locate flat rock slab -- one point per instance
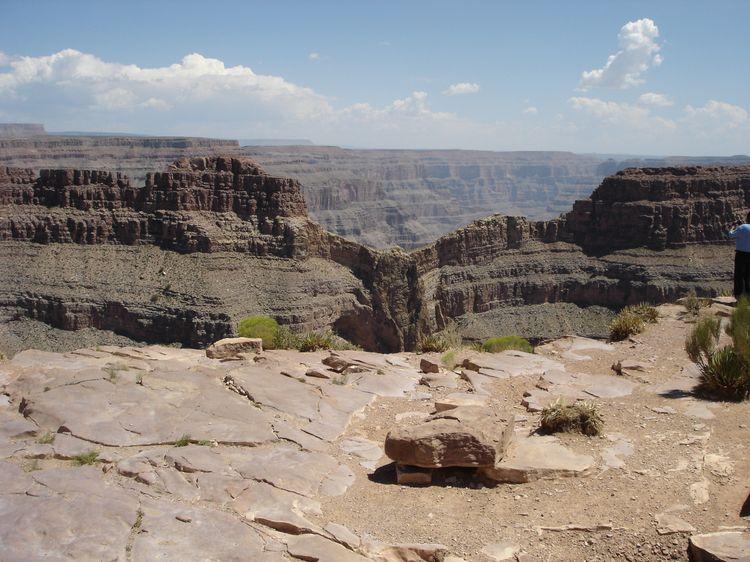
(456, 399)
(501, 551)
(467, 436)
(510, 364)
(368, 452)
(537, 458)
(727, 546)
(574, 348)
(66, 514)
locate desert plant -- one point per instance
(624, 325)
(433, 342)
(725, 372)
(46, 439)
(263, 327)
(702, 340)
(183, 441)
(726, 375)
(315, 341)
(503, 343)
(692, 303)
(86, 458)
(647, 312)
(285, 338)
(580, 417)
(449, 358)
(340, 380)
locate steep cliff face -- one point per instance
(213, 239)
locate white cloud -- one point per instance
(314, 56)
(639, 50)
(4, 59)
(196, 79)
(654, 99)
(717, 113)
(621, 114)
(461, 88)
(530, 110)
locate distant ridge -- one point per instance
(21, 130)
(275, 142)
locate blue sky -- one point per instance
(411, 74)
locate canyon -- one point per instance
(379, 198)
(213, 239)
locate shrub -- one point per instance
(315, 341)
(46, 439)
(725, 376)
(503, 343)
(449, 359)
(631, 320)
(725, 372)
(692, 303)
(183, 441)
(702, 340)
(86, 458)
(580, 417)
(433, 342)
(625, 324)
(263, 327)
(647, 312)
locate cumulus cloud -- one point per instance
(639, 50)
(620, 113)
(314, 56)
(196, 79)
(461, 88)
(530, 110)
(654, 99)
(4, 59)
(717, 113)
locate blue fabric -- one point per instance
(741, 236)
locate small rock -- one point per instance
(231, 347)
(428, 366)
(497, 552)
(720, 547)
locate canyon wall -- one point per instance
(213, 239)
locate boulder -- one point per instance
(466, 436)
(728, 546)
(428, 366)
(232, 347)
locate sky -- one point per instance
(609, 76)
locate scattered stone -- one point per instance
(317, 374)
(440, 380)
(315, 547)
(668, 523)
(664, 410)
(343, 535)
(467, 436)
(368, 451)
(428, 366)
(699, 491)
(720, 547)
(622, 447)
(232, 347)
(718, 465)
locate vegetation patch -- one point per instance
(439, 342)
(503, 343)
(581, 417)
(631, 321)
(46, 439)
(263, 327)
(692, 303)
(448, 359)
(86, 458)
(724, 372)
(183, 441)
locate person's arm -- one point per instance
(733, 233)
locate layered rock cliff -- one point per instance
(213, 239)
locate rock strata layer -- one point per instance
(213, 239)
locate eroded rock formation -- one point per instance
(213, 239)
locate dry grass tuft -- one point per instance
(582, 417)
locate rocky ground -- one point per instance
(125, 453)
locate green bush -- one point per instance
(631, 320)
(503, 343)
(315, 341)
(263, 327)
(702, 340)
(692, 303)
(725, 376)
(433, 342)
(449, 359)
(725, 372)
(580, 417)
